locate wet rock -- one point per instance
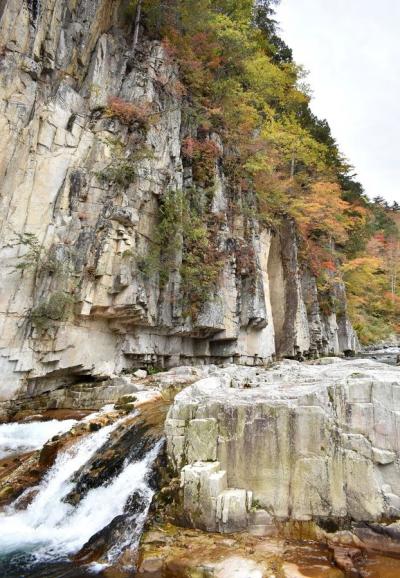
(347, 559)
(237, 567)
(6, 492)
(261, 523)
(99, 543)
(131, 441)
(156, 537)
(379, 537)
(126, 403)
(49, 453)
(151, 565)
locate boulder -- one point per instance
(304, 442)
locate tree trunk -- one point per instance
(137, 24)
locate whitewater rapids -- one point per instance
(18, 438)
(50, 528)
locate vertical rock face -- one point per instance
(80, 191)
(296, 442)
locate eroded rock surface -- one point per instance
(87, 187)
(91, 395)
(297, 442)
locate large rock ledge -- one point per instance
(304, 442)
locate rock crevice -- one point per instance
(304, 442)
(92, 137)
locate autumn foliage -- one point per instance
(373, 287)
(203, 155)
(241, 83)
(129, 112)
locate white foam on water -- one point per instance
(51, 528)
(18, 438)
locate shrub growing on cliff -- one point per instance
(242, 83)
(122, 169)
(182, 231)
(203, 155)
(31, 258)
(120, 172)
(56, 308)
(34, 258)
(129, 113)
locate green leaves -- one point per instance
(278, 157)
(31, 257)
(56, 308)
(185, 244)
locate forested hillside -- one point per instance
(371, 272)
(239, 80)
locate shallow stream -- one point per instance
(90, 507)
(41, 529)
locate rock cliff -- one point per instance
(81, 188)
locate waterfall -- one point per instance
(17, 438)
(51, 529)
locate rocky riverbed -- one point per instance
(385, 353)
(286, 471)
(305, 442)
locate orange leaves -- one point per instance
(195, 149)
(128, 112)
(203, 154)
(321, 260)
(198, 56)
(322, 211)
(208, 49)
(366, 264)
(329, 265)
(392, 297)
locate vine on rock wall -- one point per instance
(43, 263)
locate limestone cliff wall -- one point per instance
(60, 62)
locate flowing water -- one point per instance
(78, 524)
(387, 354)
(50, 529)
(18, 438)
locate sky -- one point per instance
(351, 49)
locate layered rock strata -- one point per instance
(80, 193)
(301, 442)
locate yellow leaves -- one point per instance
(241, 118)
(365, 265)
(322, 210)
(372, 308)
(265, 78)
(295, 143)
(274, 147)
(234, 36)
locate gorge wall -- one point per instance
(80, 204)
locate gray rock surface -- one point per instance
(60, 64)
(315, 441)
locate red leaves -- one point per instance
(196, 149)
(203, 154)
(129, 112)
(329, 265)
